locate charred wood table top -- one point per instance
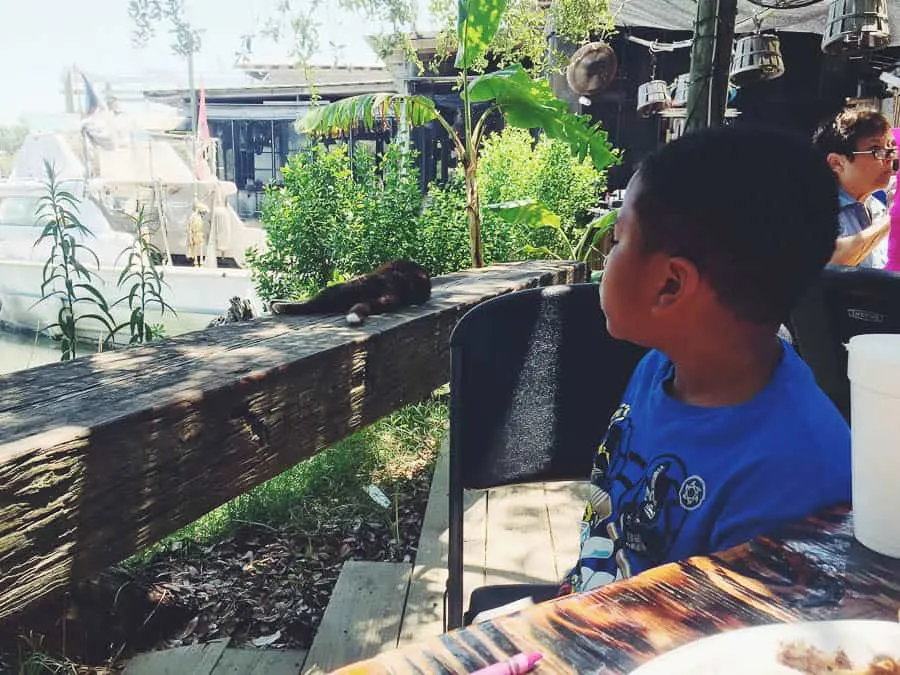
(810, 570)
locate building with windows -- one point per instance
(253, 118)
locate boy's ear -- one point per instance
(680, 283)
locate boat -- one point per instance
(117, 171)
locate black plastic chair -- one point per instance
(534, 379)
(844, 302)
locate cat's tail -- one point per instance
(294, 307)
(356, 315)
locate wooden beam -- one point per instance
(105, 455)
(710, 63)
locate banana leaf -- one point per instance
(527, 212)
(366, 110)
(476, 24)
(531, 104)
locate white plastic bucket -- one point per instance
(874, 371)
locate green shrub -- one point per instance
(443, 230)
(336, 218)
(514, 166)
(385, 226)
(306, 221)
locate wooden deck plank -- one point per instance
(259, 662)
(105, 455)
(363, 615)
(565, 507)
(518, 547)
(423, 615)
(199, 659)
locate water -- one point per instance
(19, 351)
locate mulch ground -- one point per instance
(262, 585)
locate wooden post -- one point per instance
(710, 63)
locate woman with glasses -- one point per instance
(859, 147)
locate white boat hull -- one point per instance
(198, 295)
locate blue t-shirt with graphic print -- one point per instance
(672, 480)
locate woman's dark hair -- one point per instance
(755, 210)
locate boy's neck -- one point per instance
(722, 370)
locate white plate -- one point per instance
(755, 650)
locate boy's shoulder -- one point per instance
(792, 403)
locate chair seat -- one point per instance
(491, 597)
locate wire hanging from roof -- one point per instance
(657, 46)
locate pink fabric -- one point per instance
(893, 257)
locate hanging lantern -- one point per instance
(856, 25)
(756, 58)
(652, 97)
(681, 85)
(591, 68)
(680, 90)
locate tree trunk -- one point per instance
(473, 212)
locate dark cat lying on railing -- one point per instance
(394, 285)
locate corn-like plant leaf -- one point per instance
(105, 320)
(80, 269)
(367, 111)
(97, 295)
(82, 247)
(531, 104)
(476, 24)
(528, 212)
(126, 273)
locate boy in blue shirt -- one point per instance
(722, 433)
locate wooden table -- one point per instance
(812, 569)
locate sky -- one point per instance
(40, 39)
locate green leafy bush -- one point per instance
(336, 217)
(386, 225)
(305, 222)
(516, 167)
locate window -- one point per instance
(223, 132)
(19, 211)
(255, 155)
(287, 142)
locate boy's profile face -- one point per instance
(628, 289)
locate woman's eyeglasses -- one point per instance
(878, 153)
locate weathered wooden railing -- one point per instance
(105, 455)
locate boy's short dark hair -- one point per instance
(756, 210)
(841, 134)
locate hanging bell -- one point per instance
(756, 58)
(856, 25)
(652, 97)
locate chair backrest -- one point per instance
(844, 302)
(534, 379)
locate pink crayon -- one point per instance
(893, 257)
(517, 665)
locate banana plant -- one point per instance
(582, 247)
(523, 102)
